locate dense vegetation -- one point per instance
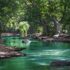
(38, 16)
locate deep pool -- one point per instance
(39, 56)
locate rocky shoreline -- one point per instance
(54, 39)
(7, 52)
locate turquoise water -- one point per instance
(15, 41)
(39, 56)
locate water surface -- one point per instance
(39, 56)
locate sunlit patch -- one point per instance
(61, 58)
(33, 59)
(41, 56)
(52, 52)
(42, 63)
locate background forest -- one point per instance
(47, 17)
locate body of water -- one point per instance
(39, 57)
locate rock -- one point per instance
(4, 48)
(7, 52)
(60, 63)
(56, 36)
(7, 34)
(1, 41)
(10, 34)
(19, 49)
(10, 54)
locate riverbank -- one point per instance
(7, 52)
(54, 39)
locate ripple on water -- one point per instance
(42, 63)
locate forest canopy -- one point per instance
(45, 16)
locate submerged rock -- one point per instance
(60, 63)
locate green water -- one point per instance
(15, 41)
(39, 56)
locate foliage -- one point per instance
(44, 12)
(37, 13)
(23, 28)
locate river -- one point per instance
(39, 56)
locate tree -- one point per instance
(23, 28)
(10, 13)
(44, 12)
(52, 15)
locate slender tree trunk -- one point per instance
(46, 29)
(45, 26)
(57, 26)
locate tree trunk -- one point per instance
(57, 26)
(46, 29)
(45, 26)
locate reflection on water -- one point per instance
(16, 41)
(39, 56)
